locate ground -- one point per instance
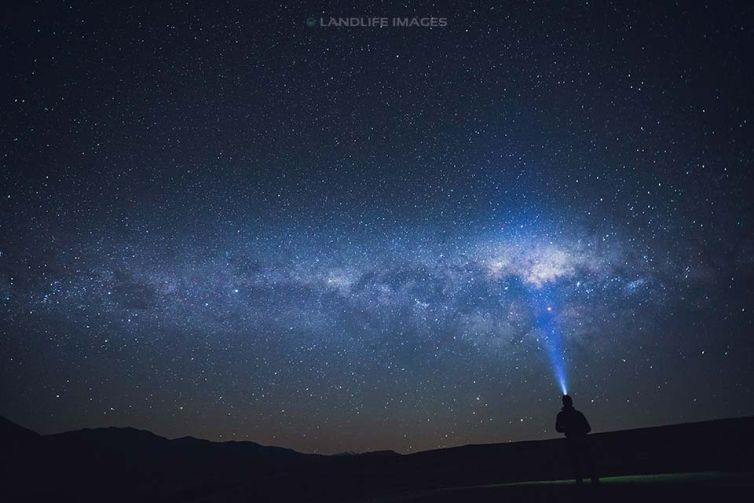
(702, 486)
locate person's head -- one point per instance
(567, 401)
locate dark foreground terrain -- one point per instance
(710, 486)
(709, 461)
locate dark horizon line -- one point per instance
(351, 453)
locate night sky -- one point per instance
(219, 221)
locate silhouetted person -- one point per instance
(574, 425)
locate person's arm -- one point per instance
(559, 423)
(587, 426)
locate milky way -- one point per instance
(234, 225)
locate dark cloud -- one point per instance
(131, 293)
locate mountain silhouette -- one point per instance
(127, 464)
(11, 433)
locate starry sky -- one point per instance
(219, 221)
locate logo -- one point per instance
(377, 22)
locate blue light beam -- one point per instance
(545, 316)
